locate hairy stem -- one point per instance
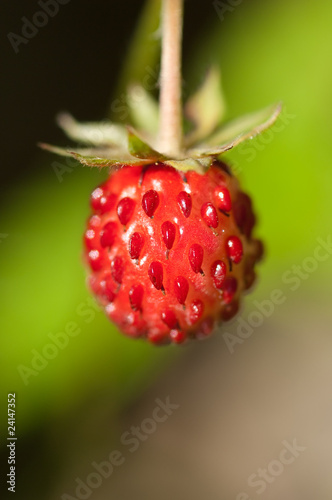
(170, 126)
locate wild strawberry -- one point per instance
(169, 243)
(174, 259)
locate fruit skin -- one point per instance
(160, 257)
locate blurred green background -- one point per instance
(83, 399)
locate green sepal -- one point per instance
(98, 152)
(206, 108)
(92, 161)
(94, 133)
(187, 164)
(237, 131)
(54, 149)
(138, 148)
(94, 157)
(144, 110)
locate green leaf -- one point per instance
(144, 110)
(141, 149)
(94, 133)
(237, 131)
(206, 108)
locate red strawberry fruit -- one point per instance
(170, 254)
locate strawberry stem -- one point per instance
(170, 126)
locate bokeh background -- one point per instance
(235, 409)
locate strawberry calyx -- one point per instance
(107, 144)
